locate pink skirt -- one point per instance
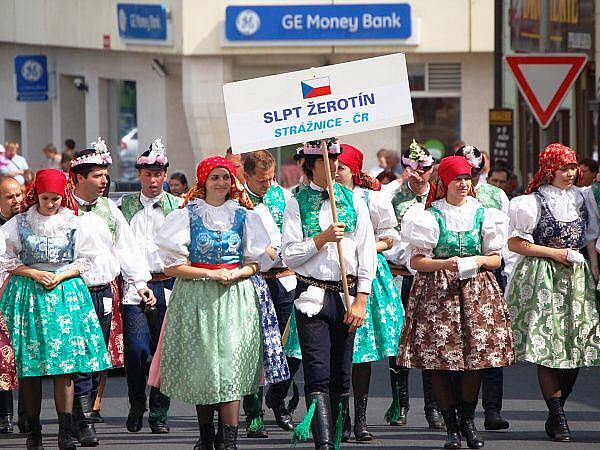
(154, 374)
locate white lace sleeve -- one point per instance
(494, 231)
(174, 238)
(10, 258)
(421, 231)
(256, 241)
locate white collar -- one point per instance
(315, 187)
(83, 202)
(426, 191)
(150, 201)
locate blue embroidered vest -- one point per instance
(550, 232)
(45, 250)
(216, 247)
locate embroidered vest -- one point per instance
(402, 201)
(489, 196)
(216, 247)
(458, 243)
(102, 209)
(132, 204)
(43, 249)
(550, 232)
(595, 187)
(310, 200)
(274, 200)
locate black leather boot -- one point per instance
(361, 430)
(86, 432)
(207, 437)
(6, 412)
(491, 399)
(159, 409)
(135, 418)
(6, 425)
(467, 425)
(34, 435)
(453, 440)
(336, 400)
(432, 413)
(276, 402)
(557, 427)
(322, 423)
(65, 424)
(397, 413)
(230, 437)
(95, 416)
(255, 426)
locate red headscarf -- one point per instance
(551, 159)
(449, 169)
(46, 180)
(353, 158)
(206, 166)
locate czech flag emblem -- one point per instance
(315, 87)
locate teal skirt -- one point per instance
(53, 332)
(379, 336)
(212, 349)
(555, 314)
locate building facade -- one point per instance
(134, 71)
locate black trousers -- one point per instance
(138, 337)
(326, 345)
(86, 383)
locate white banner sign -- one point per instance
(318, 103)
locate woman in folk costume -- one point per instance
(456, 318)
(8, 371)
(551, 293)
(47, 307)
(211, 353)
(379, 336)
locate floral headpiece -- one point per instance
(100, 156)
(314, 147)
(474, 161)
(156, 157)
(417, 157)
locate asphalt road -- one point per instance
(523, 407)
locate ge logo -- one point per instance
(32, 70)
(247, 22)
(122, 21)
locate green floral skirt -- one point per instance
(212, 346)
(53, 332)
(379, 336)
(555, 314)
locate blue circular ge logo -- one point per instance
(247, 22)
(32, 70)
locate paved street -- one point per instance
(522, 407)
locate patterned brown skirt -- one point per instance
(8, 371)
(453, 324)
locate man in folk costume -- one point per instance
(418, 167)
(269, 201)
(146, 211)
(119, 254)
(325, 328)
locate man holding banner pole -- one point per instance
(333, 286)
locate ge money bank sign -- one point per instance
(319, 24)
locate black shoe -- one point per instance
(158, 426)
(230, 437)
(255, 426)
(434, 419)
(207, 437)
(34, 435)
(361, 430)
(467, 425)
(22, 424)
(95, 417)
(322, 423)
(65, 424)
(397, 413)
(283, 418)
(85, 432)
(453, 440)
(6, 425)
(494, 421)
(556, 426)
(343, 400)
(134, 421)
(402, 417)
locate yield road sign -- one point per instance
(544, 80)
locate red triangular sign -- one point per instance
(544, 80)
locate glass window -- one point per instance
(416, 77)
(437, 123)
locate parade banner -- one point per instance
(318, 103)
